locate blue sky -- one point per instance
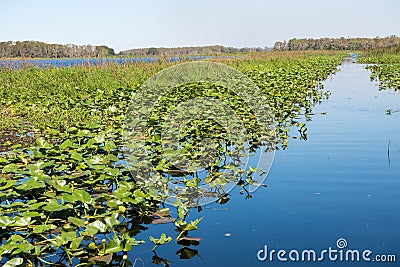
(171, 23)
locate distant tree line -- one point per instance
(191, 50)
(337, 43)
(35, 49)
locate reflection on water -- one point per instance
(337, 184)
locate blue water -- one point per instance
(68, 62)
(337, 184)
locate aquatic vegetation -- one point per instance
(382, 59)
(388, 76)
(61, 98)
(69, 196)
(385, 70)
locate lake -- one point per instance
(342, 184)
(68, 62)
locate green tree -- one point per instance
(152, 51)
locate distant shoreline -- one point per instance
(35, 49)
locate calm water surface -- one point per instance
(337, 184)
(68, 62)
